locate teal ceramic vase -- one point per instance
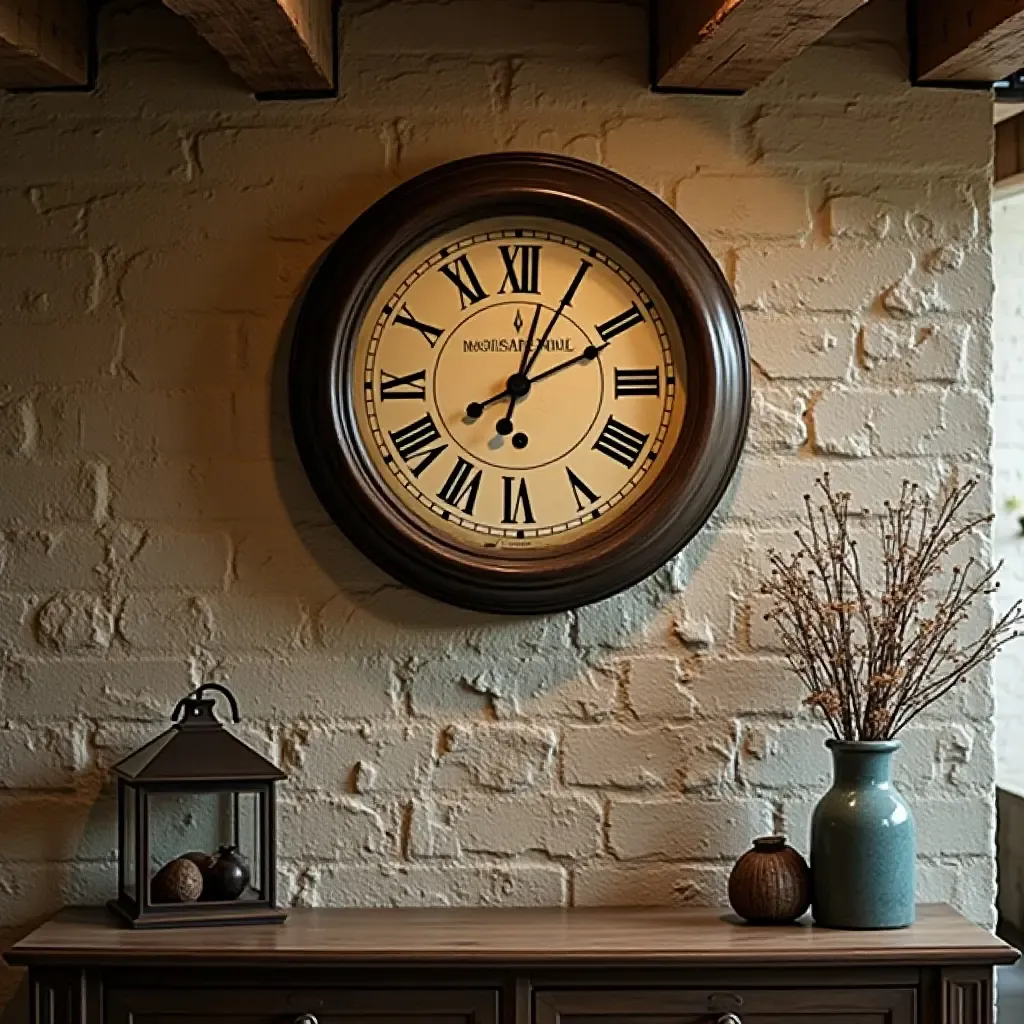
(863, 848)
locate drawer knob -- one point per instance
(306, 1018)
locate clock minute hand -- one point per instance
(566, 300)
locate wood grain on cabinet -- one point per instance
(504, 966)
(624, 936)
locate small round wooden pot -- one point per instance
(770, 884)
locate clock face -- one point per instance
(518, 384)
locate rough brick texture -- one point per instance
(157, 529)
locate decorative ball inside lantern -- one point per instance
(179, 881)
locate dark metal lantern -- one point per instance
(196, 794)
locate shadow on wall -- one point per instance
(508, 660)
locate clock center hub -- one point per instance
(501, 416)
(518, 385)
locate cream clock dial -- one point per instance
(519, 383)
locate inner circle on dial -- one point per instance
(556, 414)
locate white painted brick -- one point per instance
(44, 560)
(777, 421)
(162, 424)
(686, 829)
(773, 487)
(862, 217)
(332, 828)
(312, 687)
(388, 759)
(657, 689)
(555, 826)
(151, 622)
(867, 133)
(181, 350)
(37, 494)
(34, 892)
(783, 757)
(17, 426)
(259, 279)
(559, 25)
(731, 687)
(63, 827)
(744, 207)
(38, 354)
(609, 756)
(258, 623)
(165, 559)
(587, 694)
(784, 346)
(843, 278)
(498, 757)
(346, 885)
(75, 622)
(652, 885)
(94, 688)
(45, 286)
(262, 155)
(98, 151)
(947, 828)
(38, 757)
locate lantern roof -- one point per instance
(198, 749)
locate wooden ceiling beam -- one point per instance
(276, 47)
(968, 40)
(43, 43)
(732, 45)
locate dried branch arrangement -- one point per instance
(874, 660)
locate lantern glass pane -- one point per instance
(185, 823)
(129, 842)
(250, 811)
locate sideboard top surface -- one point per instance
(623, 936)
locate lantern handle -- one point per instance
(182, 705)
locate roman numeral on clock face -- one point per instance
(461, 274)
(413, 443)
(578, 488)
(621, 442)
(629, 383)
(412, 385)
(522, 268)
(517, 501)
(614, 327)
(406, 319)
(461, 488)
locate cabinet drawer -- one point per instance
(708, 1006)
(286, 1006)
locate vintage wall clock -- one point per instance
(519, 383)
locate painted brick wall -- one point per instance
(158, 531)
(1008, 473)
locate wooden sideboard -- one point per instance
(507, 966)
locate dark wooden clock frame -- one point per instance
(527, 185)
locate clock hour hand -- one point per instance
(522, 385)
(590, 353)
